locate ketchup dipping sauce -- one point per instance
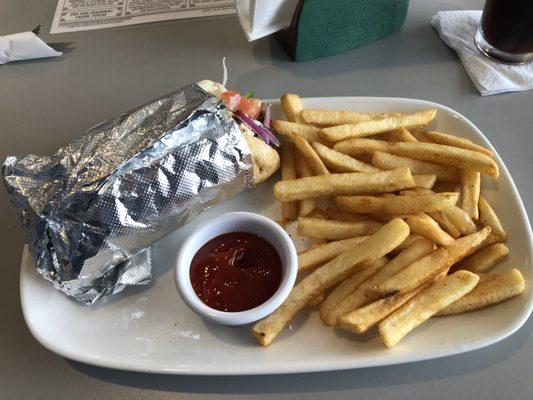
(236, 271)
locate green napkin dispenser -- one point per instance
(322, 28)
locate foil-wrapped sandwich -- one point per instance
(96, 206)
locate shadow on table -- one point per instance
(424, 371)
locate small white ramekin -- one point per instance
(236, 222)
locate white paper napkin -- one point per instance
(260, 18)
(457, 29)
(24, 46)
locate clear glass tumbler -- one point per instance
(505, 32)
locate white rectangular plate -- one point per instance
(151, 329)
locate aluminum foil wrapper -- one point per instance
(96, 206)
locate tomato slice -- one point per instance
(250, 107)
(232, 99)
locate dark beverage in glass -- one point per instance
(505, 32)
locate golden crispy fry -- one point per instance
(484, 259)
(470, 187)
(371, 127)
(487, 217)
(362, 319)
(399, 135)
(460, 219)
(492, 290)
(406, 243)
(425, 226)
(427, 303)
(317, 213)
(344, 299)
(390, 161)
(339, 215)
(416, 190)
(425, 181)
(450, 140)
(306, 206)
(434, 263)
(397, 204)
(308, 132)
(316, 301)
(309, 154)
(317, 256)
(335, 230)
(421, 136)
(330, 118)
(347, 183)
(442, 186)
(436, 153)
(292, 107)
(347, 286)
(347, 263)
(341, 162)
(445, 223)
(289, 210)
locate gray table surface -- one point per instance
(43, 104)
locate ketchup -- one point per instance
(235, 271)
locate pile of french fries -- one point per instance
(403, 233)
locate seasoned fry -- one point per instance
(307, 132)
(406, 243)
(436, 153)
(484, 259)
(371, 127)
(306, 206)
(399, 135)
(341, 162)
(335, 230)
(460, 219)
(450, 140)
(348, 286)
(443, 173)
(493, 290)
(317, 213)
(425, 181)
(362, 319)
(420, 135)
(487, 217)
(376, 246)
(317, 256)
(427, 303)
(397, 204)
(430, 265)
(317, 300)
(292, 107)
(309, 154)
(347, 183)
(344, 299)
(445, 223)
(289, 210)
(339, 215)
(425, 226)
(470, 188)
(330, 118)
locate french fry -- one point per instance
(335, 230)
(306, 206)
(485, 259)
(346, 183)
(362, 319)
(309, 154)
(371, 127)
(341, 162)
(445, 223)
(399, 135)
(339, 215)
(317, 300)
(289, 210)
(397, 204)
(441, 186)
(420, 135)
(347, 286)
(344, 299)
(496, 289)
(307, 132)
(425, 226)
(487, 217)
(425, 181)
(317, 213)
(406, 243)
(292, 107)
(450, 140)
(317, 256)
(460, 219)
(330, 118)
(470, 187)
(434, 263)
(443, 173)
(436, 153)
(426, 304)
(347, 263)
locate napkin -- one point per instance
(24, 46)
(260, 18)
(457, 29)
